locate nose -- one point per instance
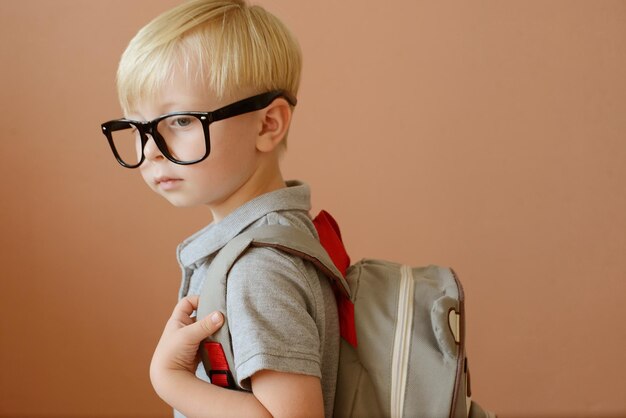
(151, 151)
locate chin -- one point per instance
(181, 203)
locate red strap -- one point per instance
(330, 238)
(220, 373)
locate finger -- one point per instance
(204, 327)
(181, 315)
(184, 309)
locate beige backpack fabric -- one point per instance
(410, 321)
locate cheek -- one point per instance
(146, 177)
(234, 151)
(238, 133)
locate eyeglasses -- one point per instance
(182, 137)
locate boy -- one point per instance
(222, 54)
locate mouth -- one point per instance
(167, 183)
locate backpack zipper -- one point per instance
(402, 341)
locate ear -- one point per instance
(274, 125)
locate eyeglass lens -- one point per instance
(183, 136)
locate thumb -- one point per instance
(204, 327)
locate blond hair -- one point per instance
(225, 44)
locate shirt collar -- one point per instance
(296, 196)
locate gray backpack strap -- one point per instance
(284, 238)
(296, 242)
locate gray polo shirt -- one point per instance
(282, 312)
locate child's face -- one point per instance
(217, 181)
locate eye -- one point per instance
(182, 121)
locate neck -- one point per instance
(265, 179)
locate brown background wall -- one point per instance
(484, 135)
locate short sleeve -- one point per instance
(271, 303)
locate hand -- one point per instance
(174, 364)
(177, 350)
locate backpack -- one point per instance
(402, 351)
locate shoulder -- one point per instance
(264, 275)
(272, 262)
(269, 274)
(270, 277)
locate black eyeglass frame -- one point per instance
(250, 104)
